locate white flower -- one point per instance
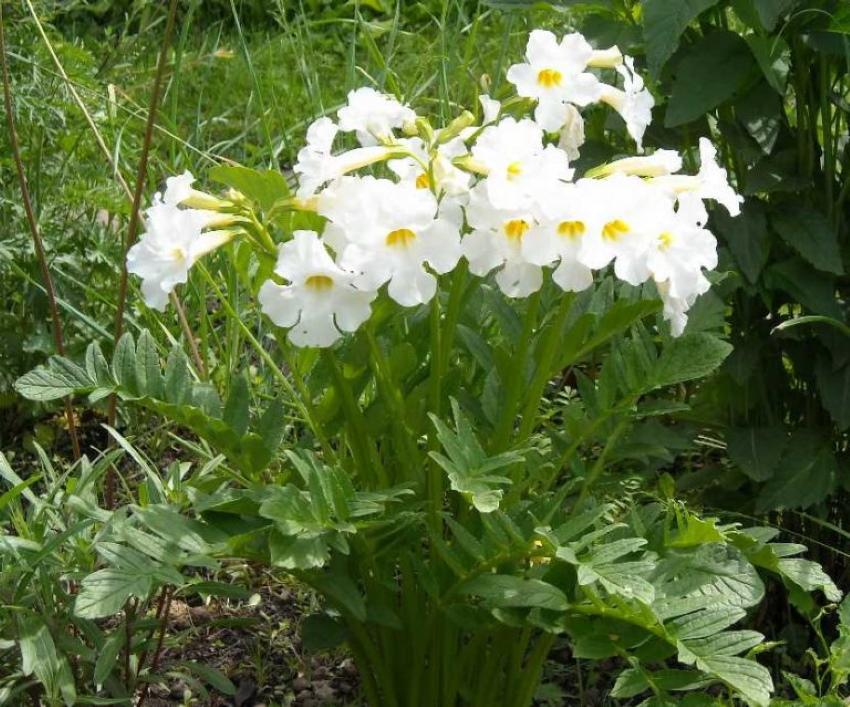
(320, 301)
(519, 169)
(619, 214)
(490, 108)
(373, 116)
(317, 165)
(559, 238)
(678, 252)
(446, 177)
(634, 103)
(388, 232)
(711, 182)
(676, 308)
(496, 242)
(659, 163)
(572, 132)
(554, 74)
(171, 244)
(179, 191)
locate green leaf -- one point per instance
(468, 467)
(40, 658)
(774, 58)
(320, 632)
(212, 676)
(663, 25)
(148, 375)
(264, 186)
(810, 576)
(747, 237)
(756, 450)
(97, 366)
(769, 11)
(104, 593)
(124, 363)
(834, 388)
(632, 682)
(689, 357)
(178, 383)
(713, 71)
(506, 591)
(809, 233)
(749, 678)
(814, 290)
(107, 656)
(55, 380)
(804, 476)
(236, 408)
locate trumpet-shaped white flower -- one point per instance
(373, 116)
(634, 102)
(519, 169)
(678, 253)
(496, 241)
(572, 132)
(676, 308)
(438, 173)
(558, 239)
(317, 165)
(172, 242)
(388, 232)
(659, 163)
(490, 108)
(320, 300)
(711, 182)
(179, 191)
(554, 74)
(620, 214)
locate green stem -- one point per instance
(513, 386)
(544, 371)
(826, 127)
(391, 392)
(365, 458)
(599, 464)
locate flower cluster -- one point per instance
(500, 193)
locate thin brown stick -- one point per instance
(163, 626)
(101, 143)
(141, 177)
(58, 337)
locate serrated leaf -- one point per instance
(810, 233)
(107, 656)
(177, 383)
(749, 678)
(97, 366)
(687, 358)
(39, 657)
(236, 408)
(47, 383)
(104, 592)
(804, 476)
(663, 25)
(264, 186)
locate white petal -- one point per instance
(317, 331)
(412, 287)
(518, 279)
(352, 309)
(479, 250)
(279, 304)
(572, 276)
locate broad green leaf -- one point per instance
(704, 623)
(148, 375)
(809, 233)
(632, 682)
(505, 591)
(805, 475)
(756, 450)
(97, 366)
(810, 576)
(749, 678)
(770, 11)
(747, 237)
(107, 656)
(774, 58)
(713, 70)
(689, 357)
(263, 186)
(52, 381)
(834, 388)
(104, 592)
(39, 657)
(813, 289)
(177, 382)
(236, 408)
(723, 643)
(320, 632)
(663, 25)
(124, 363)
